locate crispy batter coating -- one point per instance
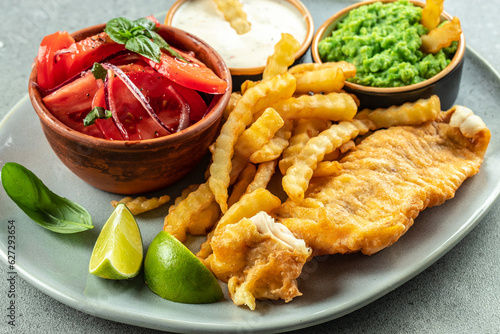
(259, 259)
(386, 181)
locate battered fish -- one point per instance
(258, 259)
(385, 182)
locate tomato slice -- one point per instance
(197, 105)
(50, 71)
(83, 54)
(154, 84)
(71, 103)
(193, 74)
(129, 115)
(107, 126)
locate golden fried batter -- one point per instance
(259, 259)
(385, 182)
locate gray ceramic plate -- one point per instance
(332, 286)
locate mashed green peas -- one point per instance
(383, 42)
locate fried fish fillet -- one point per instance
(385, 182)
(259, 259)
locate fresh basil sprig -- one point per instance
(139, 36)
(96, 113)
(51, 211)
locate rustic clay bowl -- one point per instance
(240, 74)
(445, 84)
(132, 167)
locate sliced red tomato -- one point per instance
(71, 103)
(197, 105)
(51, 72)
(83, 54)
(192, 74)
(107, 126)
(155, 84)
(129, 114)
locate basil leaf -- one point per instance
(51, 211)
(145, 23)
(99, 71)
(96, 113)
(145, 47)
(140, 36)
(118, 29)
(164, 45)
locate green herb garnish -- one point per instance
(139, 36)
(51, 211)
(99, 71)
(96, 113)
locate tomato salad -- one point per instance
(125, 83)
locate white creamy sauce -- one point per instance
(269, 19)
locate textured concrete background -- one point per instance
(460, 293)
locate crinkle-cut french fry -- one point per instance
(238, 163)
(249, 205)
(297, 177)
(282, 57)
(348, 69)
(273, 149)
(247, 84)
(244, 179)
(333, 106)
(234, 14)
(303, 130)
(409, 113)
(256, 98)
(441, 36)
(347, 146)
(263, 175)
(205, 220)
(189, 189)
(325, 80)
(259, 133)
(233, 99)
(205, 248)
(327, 168)
(142, 204)
(431, 13)
(333, 155)
(178, 219)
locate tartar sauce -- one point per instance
(269, 18)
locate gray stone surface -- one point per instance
(460, 293)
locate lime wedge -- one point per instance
(173, 272)
(118, 250)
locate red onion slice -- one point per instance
(111, 107)
(184, 117)
(137, 93)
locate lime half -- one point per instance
(118, 250)
(173, 272)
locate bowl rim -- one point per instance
(326, 28)
(48, 119)
(259, 69)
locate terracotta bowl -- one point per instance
(240, 74)
(132, 167)
(445, 84)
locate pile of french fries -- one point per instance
(296, 120)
